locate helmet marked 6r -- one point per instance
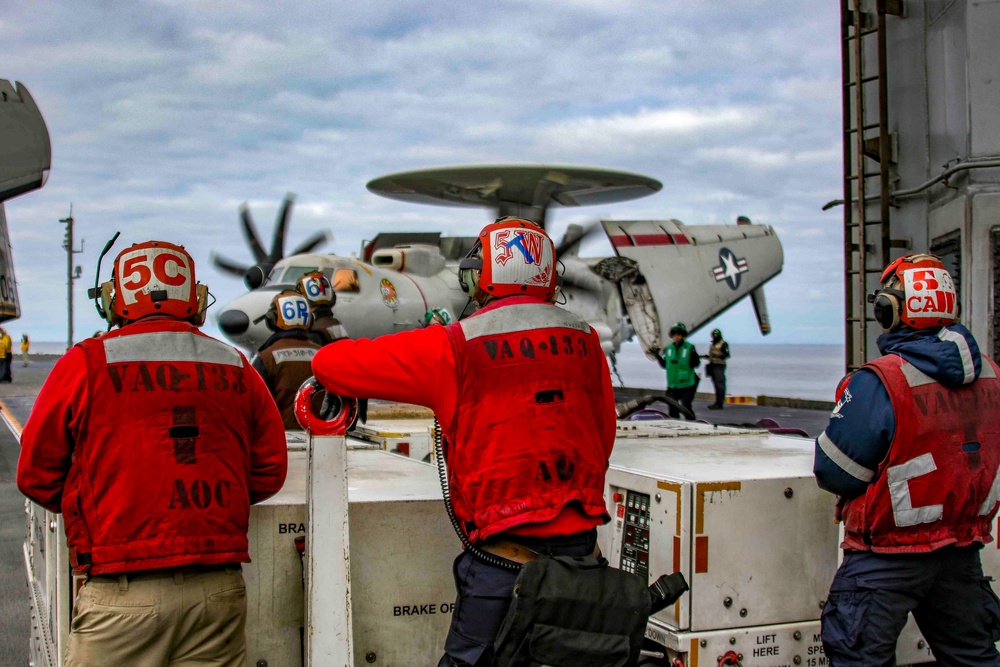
(316, 288)
(288, 311)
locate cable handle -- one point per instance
(321, 413)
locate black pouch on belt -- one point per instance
(573, 612)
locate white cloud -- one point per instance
(166, 114)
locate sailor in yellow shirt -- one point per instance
(5, 355)
(25, 346)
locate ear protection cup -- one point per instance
(470, 271)
(107, 304)
(198, 319)
(271, 317)
(887, 307)
(469, 281)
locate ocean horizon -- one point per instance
(809, 371)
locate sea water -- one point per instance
(794, 371)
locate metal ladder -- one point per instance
(868, 152)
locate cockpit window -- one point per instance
(288, 275)
(293, 273)
(346, 280)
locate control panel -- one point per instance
(635, 543)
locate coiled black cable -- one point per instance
(495, 561)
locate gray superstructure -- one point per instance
(929, 100)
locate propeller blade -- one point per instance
(574, 235)
(229, 266)
(316, 239)
(280, 229)
(250, 233)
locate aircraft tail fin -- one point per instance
(711, 267)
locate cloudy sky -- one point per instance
(165, 115)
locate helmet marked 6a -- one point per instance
(288, 311)
(154, 278)
(316, 288)
(518, 257)
(917, 291)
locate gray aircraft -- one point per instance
(25, 158)
(663, 271)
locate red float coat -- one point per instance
(523, 395)
(938, 485)
(153, 441)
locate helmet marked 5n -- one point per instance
(517, 257)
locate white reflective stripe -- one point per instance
(988, 371)
(522, 317)
(903, 511)
(914, 376)
(843, 461)
(968, 368)
(293, 354)
(170, 346)
(993, 498)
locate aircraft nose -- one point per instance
(234, 322)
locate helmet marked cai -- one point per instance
(316, 288)
(918, 292)
(678, 328)
(289, 311)
(512, 256)
(153, 278)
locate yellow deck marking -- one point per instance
(12, 422)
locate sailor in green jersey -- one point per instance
(680, 359)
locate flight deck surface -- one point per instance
(377, 480)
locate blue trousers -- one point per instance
(484, 596)
(945, 590)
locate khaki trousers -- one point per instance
(175, 618)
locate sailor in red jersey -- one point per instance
(523, 395)
(913, 450)
(153, 441)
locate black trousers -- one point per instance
(950, 599)
(684, 396)
(718, 374)
(484, 596)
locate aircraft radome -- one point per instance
(663, 272)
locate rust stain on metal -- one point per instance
(700, 491)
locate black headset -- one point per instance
(467, 278)
(887, 307)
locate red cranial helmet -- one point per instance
(156, 278)
(316, 288)
(918, 292)
(517, 257)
